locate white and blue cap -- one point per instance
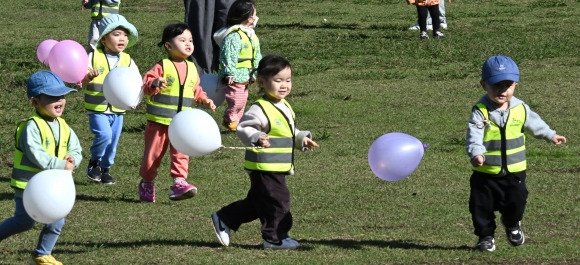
(48, 83)
(113, 21)
(499, 68)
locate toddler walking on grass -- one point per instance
(496, 147)
(268, 129)
(172, 85)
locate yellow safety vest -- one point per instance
(279, 157)
(94, 96)
(24, 169)
(505, 146)
(248, 52)
(100, 10)
(176, 97)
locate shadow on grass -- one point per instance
(307, 245)
(356, 244)
(123, 198)
(7, 196)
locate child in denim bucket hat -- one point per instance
(106, 121)
(37, 139)
(495, 144)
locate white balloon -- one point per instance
(122, 88)
(49, 195)
(194, 133)
(214, 88)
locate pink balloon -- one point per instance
(395, 156)
(69, 60)
(44, 49)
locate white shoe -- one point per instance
(222, 231)
(429, 27)
(444, 25)
(287, 243)
(415, 27)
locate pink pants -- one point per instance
(156, 142)
(236, 97)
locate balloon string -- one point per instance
(236, 147)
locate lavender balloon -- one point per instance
(43, 50)
(395, 156)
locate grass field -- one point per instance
(357, 76)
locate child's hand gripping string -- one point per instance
(91, 74)
(69, 163)
(263, 141)
(159, 83)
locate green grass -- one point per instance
(356, 77)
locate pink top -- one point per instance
(157, 71)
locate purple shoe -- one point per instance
(147, 191)
(182, 190)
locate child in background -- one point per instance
(269, 131)
(172, 85)
(43, 141)
(496, 147)
(106, 121)
(424, 8)
(239, 55)
(99, 10)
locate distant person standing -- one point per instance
(442, 18)
(424, 8)
(205, 17)
(99, 10)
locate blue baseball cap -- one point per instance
(499, 68)
(48, 83)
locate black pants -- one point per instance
(269, 200)
(508, 195)
(422, 17)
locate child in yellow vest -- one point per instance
(496, 147)
(172, 85)
(36, 141)
(239, 55)
(106, 121)
(268, 129)
(99, 10)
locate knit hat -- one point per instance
(499, 68)
(48, 83)
(112, 22)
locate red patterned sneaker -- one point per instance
(147, 191)
(182, 190)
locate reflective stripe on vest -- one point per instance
(24, 169)
(176, 97)
(505, 146)
(94, 96)
(279, 157)
(100, 10)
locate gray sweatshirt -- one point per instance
(475, 129)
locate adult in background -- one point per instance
(205, 17)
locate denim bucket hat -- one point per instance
(48, 83)
(113, 21)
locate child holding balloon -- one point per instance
(495, 144)
(172, 85)
(43, 141)
(239, 55)
(105, 120)
(269, 131)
